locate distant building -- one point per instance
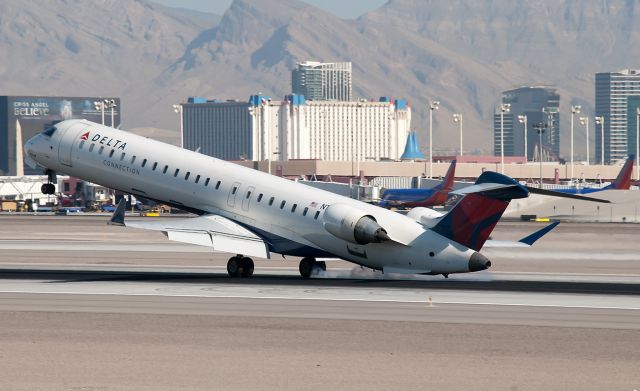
(322, 81)
(612, 92)
(540, 104)
(22, 117)
(294, 128)
(633, 105)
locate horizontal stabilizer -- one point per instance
(537, 190)
(527, 241)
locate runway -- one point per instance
(87, 306)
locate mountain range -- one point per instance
(462, 53)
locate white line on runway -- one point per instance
(373, 300)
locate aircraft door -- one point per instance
(246, 199)
(233, 193)
(67, 139)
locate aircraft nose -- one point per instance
(478, 262)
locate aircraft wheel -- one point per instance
(246, 264)
(306, 267)
(322, 265)
(234, 266)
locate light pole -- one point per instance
(110, 104)
(523, 120)
(504, 108)
(600, 121)
(540, 128)
(574, 110)
(179, 110)
(458, 118)
(637, 142)
(434, 105)
(585, 121)
(99, 105)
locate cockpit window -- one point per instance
(49, 131)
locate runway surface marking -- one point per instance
(282, 292)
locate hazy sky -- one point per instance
(348, 9)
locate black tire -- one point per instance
(247, 267)
(52, 188)
(306, 267)
(44, 188)
(322, 265)
(234, 266)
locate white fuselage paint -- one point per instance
(93, 160)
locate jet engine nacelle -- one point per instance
(425, 216)
(353, 225)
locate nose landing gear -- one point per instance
(49, 187)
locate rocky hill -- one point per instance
(461, 53)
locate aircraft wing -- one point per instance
(527, 241)
(209, 230)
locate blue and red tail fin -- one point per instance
(623, 181)
(472, 220)
(447, 182)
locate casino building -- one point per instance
(22, 117)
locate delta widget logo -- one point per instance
(85, 136)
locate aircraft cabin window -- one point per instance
(304, 212)
(81, 144)
(100, 150)
(206, 182)
(282, 204)
(197, 178)
(144, 162)
(218, 185)
(248, 194)
(186, 177)
(155, 164)
(112, 152)
(316, 216)
(293, 208)
(260, 197)
(235, 188)
(91, 147)
(133, 159)
(271, 201)
(122, 156)
(165, 169)
(177, 171)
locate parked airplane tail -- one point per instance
(472, 220)
(447, 182)
(623, 181)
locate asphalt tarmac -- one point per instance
(86, 306)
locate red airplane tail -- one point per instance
(623, 181)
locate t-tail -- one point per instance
(472, 220)
(623, 181)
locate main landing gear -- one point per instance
(308, 265)
(49, 187)
(240, 266)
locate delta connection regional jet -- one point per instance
(249, 213)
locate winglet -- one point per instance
(118, 215)
(538, 234)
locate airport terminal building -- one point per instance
(22, 117)
(294, 128)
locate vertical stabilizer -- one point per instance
(472, 220)
(623, 181)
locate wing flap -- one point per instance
(210, 230)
